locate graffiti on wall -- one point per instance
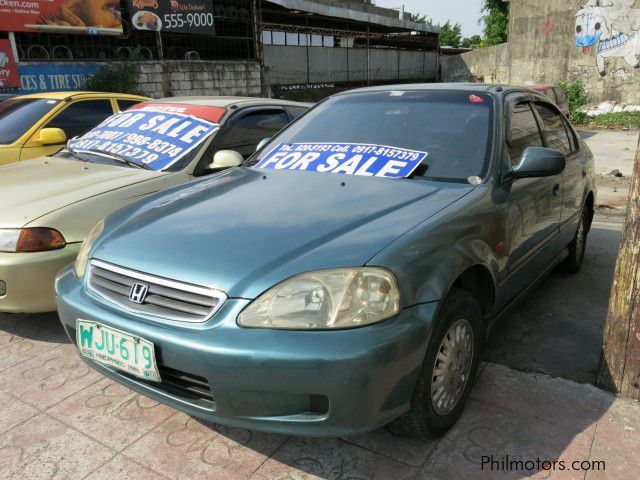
(612, 29)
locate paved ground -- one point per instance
(61, 420)
(613, 150)
(558, 328)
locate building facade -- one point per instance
(284, 48)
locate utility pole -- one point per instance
(620, 361)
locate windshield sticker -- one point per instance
(148, 137)
(345, 158)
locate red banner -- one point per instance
(89, 17)
(213, 114)
(9, 77)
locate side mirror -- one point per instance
(225, 159)
(262, 143)
(539, 162)
(52, 136)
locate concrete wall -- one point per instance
(180, 78)
(489, 65)
(542, 49)
(288, 65)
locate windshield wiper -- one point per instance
(74, 154)
(123, 159)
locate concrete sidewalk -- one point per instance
(61, 420)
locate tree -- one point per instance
(496, 22)
(450, 34)
(471, 42)
(416, 17)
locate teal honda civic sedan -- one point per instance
(346, 276)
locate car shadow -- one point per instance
(584, 134)
(41, 327)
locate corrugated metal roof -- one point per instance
(355, 15)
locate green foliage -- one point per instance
(472, 42)
(119, 77)
(619, 119)
(450, 34)
(577, 98)
(496, 22)
(416, 17)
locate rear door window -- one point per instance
(523, 132)
(126, 104)
(555, 129)
(80, 117)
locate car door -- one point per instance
(535, 204)
(243, 131)
(557, 135)
(76, 119)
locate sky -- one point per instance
(464, 12)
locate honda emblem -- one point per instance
(138, 292)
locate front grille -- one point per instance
(164, 298)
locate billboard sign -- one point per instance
(95, 17)
(8, 69)
(180, 16)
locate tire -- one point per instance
(573, 263)
(423, 421)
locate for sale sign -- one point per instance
(345, 158)
(9, 77)
(92, 17)
(153, 135)
(182, 16)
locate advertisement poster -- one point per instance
(156, 136)
(95, 17)
(344, 158)
(181, 16)
(49, 78)
(8, 69)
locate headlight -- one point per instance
(326, 299)
(83, 255)
(37, 239)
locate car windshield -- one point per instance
(447, 133)
(18, 115)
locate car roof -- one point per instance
(226, 102)
(439, 87)
(74, 94)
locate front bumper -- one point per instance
(323, 383)
(29, 278)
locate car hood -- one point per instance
(245, 230)
(33, 188)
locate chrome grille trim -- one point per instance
(166, 299)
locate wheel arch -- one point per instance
(480, 283)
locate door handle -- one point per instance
(556, 190)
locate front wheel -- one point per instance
(448, 370)
(573, 263)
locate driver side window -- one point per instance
(524, 132)
(243, 135)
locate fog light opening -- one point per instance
(3, 288)
(318, 404)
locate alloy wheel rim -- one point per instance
(452, 367)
